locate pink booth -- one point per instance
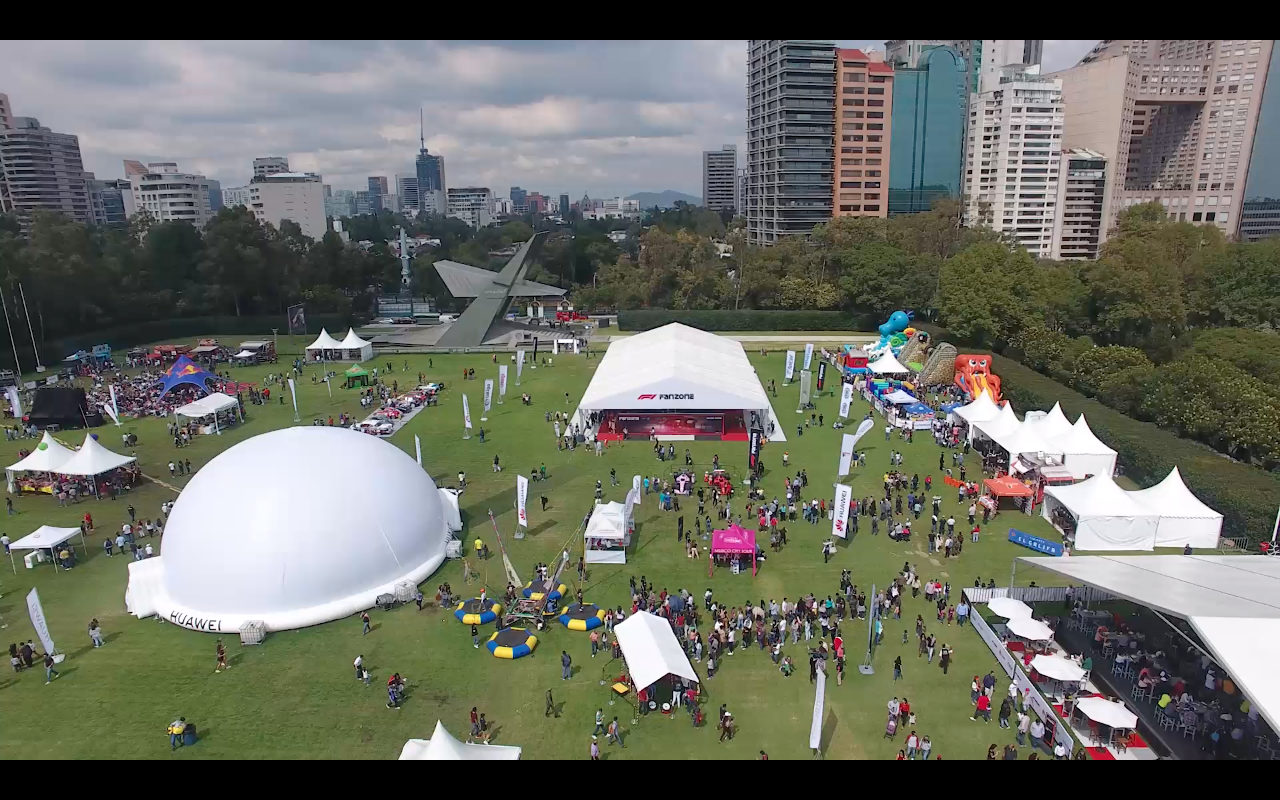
(733, 541)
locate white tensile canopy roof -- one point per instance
(48, 456)
(982, 408)
(1183, 518)
(651, 649)
(209, 404)
(1232, 602)
(1057, 667)
(328, 520)
(1052, 424)
(245, 354)
(325, 342)
(1107, 517)
(93, 459)
(609, 521)
(353, 342)
(1114, 715)
(442, 746)
(1026, 438)
(1084, 453)
(1003, 423)
(674, 367)
(887, 365)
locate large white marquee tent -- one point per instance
(651, 649)
(1083, 453)
(354, 348)
(1110, 518)
(326, 520)
(324, 348)
(677, 368)
(1183, 518)
(443, 746)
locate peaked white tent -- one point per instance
(608, 533)
(442, 746)
(93, 459)
(901, 398)
(1183, 518)
(1026, 438)
(1003, 424)
(324, 348)
(982, 408)
(1107, 517)
(1084, 453)
(48, 456)
(651, 650)
(1052, 424)
(356, 349)
(887, 365)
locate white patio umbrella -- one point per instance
(1008, 608)
(1057, 668)
(1105, 712)
(1031, 629)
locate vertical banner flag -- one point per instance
(846, 452)
(522, 499)
(822, 374)
(488, 398)
(753, 452)
(417, 445)
(806, 381)
(791, 366)
(297, 318)
(15, 401)
(636, 489)
(466, 412)
(846, 399)
(502, 383)
(293, 391)
(519, 365)
(843, 495)
(115, 407)
(534, 360)
(819, 700)
(39, 622)
(808, 355)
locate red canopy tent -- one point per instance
(733, 541)
(1007, 486)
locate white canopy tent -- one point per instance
(324, 348)
(1111, 714)
(888, 365)
(677, 368)
(1026, 438)
(46, 538)
(900, 398)
(982, 408)
(1052, 424)
(49, 456)
(356, 349)
(93, 459)
(651, 650)
(208, 405)
(1003, 424)
(442, 746)
(1029, 628)
(1008, 607)
(1083, 453)
(1184, 520)
(245, 354)
(1058, 668)
(608, 533)
(1232, 602)
(1107, 517)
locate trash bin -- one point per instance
(189, 735)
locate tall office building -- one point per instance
(930, 102)
(431, 178)
(106, 198)
(790, 136)
(864, 90)
(407, 188)
(535, 203)
(340, 203)
(215, 195)
(1082, 190)
(1176, 120)
(41, 169)
(564, 206)
(471, 205)
(377, 188)
(6, 112)
(983, 57)
(1260, 215)
(269, 165)
(1013, 159)
(168, 194)
(519, 200)
(296, 196)
(720, 178)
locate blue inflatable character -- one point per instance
(891, 331)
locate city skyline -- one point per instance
(501, 113)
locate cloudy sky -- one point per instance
(598, 117)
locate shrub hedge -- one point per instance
(749, 320)
(1246, 496)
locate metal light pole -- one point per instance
(35, 349)
(17, 363)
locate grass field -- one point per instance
(295, 697)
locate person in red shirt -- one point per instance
(984, 708)
(904, 711)
(902, 756)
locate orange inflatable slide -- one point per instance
(974, 377)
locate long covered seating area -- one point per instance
(55, 469)
(1189, 641)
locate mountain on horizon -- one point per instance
(664, 199)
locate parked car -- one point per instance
(375, 428)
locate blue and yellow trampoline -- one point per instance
(537, 589)
(512, 643)
(583, 617)
(477, 612)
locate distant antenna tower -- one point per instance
(422, 131)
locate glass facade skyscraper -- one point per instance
(927, 142)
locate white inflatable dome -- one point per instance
(293, 528)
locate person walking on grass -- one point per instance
(599, 723)
(220, 653)
(551, 706)
(475, 636)
(614, 733)
(595, 749)
(982, 709)
(364, 620)
(49, 672)
(95, 633)
(566, 666)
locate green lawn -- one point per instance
(295, 696)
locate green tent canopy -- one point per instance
(357, 375)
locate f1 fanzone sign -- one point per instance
(686, 396)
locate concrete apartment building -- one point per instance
(6, 112)
(1175, 119)
(864, 92)
(269, 165)
(42, 169)
(1013, 158)
(1082, 191)
(790, 137)
(720, 178)
(167, 193)
(407, 188)
(472, 205)
(235, 196)
(296, 196)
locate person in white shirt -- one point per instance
(1037, 734)
(358, 663)
(148, 550)
(1060, 751)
